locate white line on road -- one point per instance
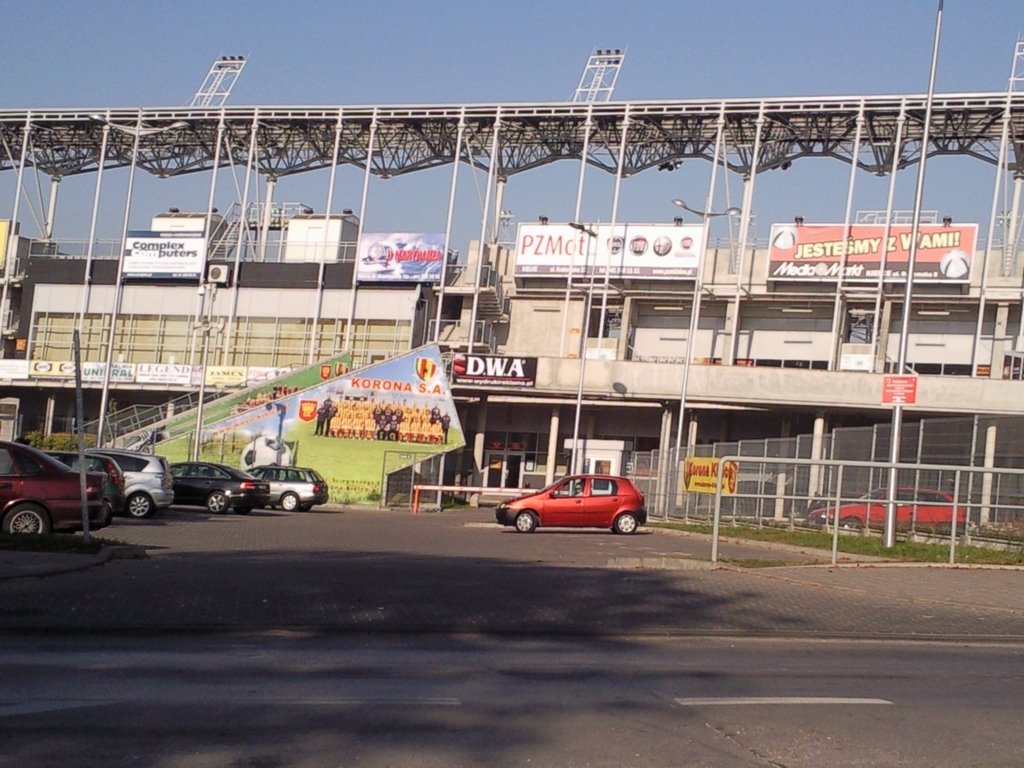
(742, 700)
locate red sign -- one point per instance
(821, 252)
(899, 390)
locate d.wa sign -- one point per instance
(821, 252)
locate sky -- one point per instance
(128, 54)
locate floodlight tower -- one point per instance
(219, 81)
(598, 80)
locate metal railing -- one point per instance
(455, 333)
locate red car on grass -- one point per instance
(922, 507)
(39, 494)
(579, 501)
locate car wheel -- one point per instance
(26, 518)
(216, 502)
(139, 505)
(526, 522)
(851, 524)
(289, 502)
(625, 523)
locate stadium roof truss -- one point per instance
(405, 139)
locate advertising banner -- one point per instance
(256, 375)
(163, 373)
(224, 375)
(164, 256)
(628, 250)
(13, 369)
(402, 257)
(120, 372)
(814, 252)
(343, 427)
(700, 475)
(493, 370)
(5, 235)
(51, 369)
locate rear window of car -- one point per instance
(132, 463)
(601, 486)
(294, 476)
(6, 463)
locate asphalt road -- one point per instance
(367, 638)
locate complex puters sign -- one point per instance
(164, 256)
(823, 252)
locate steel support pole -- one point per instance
(90, 247)
(448, 224)
(101, 422)
(370, 144)
(588, 127)
(897, 411)
(322, 265)
(481, 245)
(615, 218)
(748, 196)
(12, 239)
(243, 230)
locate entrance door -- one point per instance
(504, 470)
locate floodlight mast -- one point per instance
(598, 80)
(219, 81)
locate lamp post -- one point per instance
(591, 237)
(698, 290)
(137, 132)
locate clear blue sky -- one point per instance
(127, 54)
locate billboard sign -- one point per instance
(348, 427)
(646, 251)
(13, 369)
(119, 372)
(494, 370)
(400, 257)
(163, 373)
(164, 256)
(814, 252)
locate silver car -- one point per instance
(148, 485)
(293, 488)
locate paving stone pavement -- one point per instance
(358, 570)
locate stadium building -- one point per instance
(616, 337)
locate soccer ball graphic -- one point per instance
(955, 264)
(265, 449)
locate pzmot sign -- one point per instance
(493, 370)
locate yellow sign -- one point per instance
(226, 376)
(5, 234)
(700, 475)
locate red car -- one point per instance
(924, 507)
(580, 501)
(39, 494)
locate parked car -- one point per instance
(218, 487)
(591, 501)
(148, 485)
(39, 494)
(293, 487)
(113, 489)
(924, 507)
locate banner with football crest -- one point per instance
(344, 427)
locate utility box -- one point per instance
(312, 238)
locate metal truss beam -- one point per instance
(292, 140)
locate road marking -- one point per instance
(34, 707)
(368, 701)
(742, 700)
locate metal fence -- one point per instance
(968, 442)
(405, 469)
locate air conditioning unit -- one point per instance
(220, 274)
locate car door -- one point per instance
(10, 478)
(189, 483)
(564, 503)
(604, 499)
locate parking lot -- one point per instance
(366, 570)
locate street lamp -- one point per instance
(698, 290)
(591, 237)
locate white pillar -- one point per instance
(552, 460)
